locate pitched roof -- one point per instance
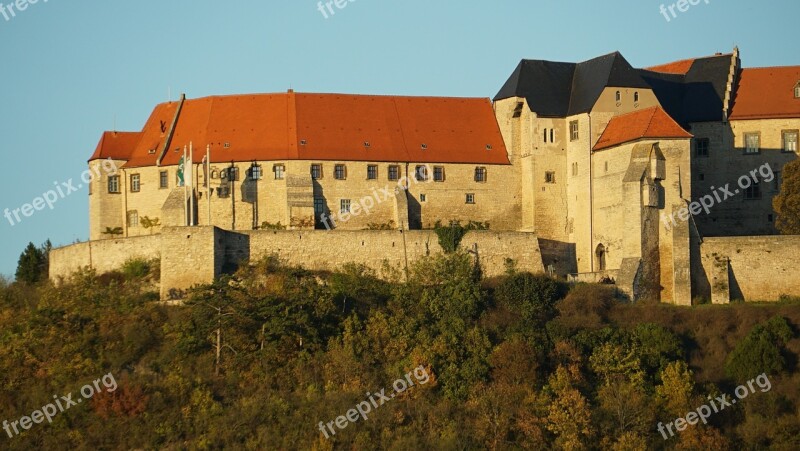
(766, 93)
(336, 127)
(564, 89)
(675, 67)
(116, 145)
(693, 94)
(652, 123)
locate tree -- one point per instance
(787, 203)
(677, 388)
(31, 267)
(760, 351)
(569, 415)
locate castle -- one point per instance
(592, 171)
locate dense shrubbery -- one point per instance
(257, 360)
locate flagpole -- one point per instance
(191, 180)
(208, 180)
(185, 194)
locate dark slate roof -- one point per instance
(546, 86)
(564, 89)
(697, 96)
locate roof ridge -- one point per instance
(650, 121)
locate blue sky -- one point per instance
(72, 69)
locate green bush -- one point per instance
(532, 297)
(761, 351)
(450, 236)
(136, 268)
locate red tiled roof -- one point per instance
(676, 67)
(767, 93)
(116, 145)
(652, 123)
(335, 127)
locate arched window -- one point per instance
(619, 96)
(797, 90)
(636, 97)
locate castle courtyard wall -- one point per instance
(748, 269)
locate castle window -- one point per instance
(752, 143)
(133, 218)
(423, 198)
(636, 97)
(545, 135)
(606, 166)
(438, 173)
(550, 177)
(573, 131)
(619, 96)
(136, 183)
(163, 179)
(344, 206)
(316, 171)
(790, 141)
(797, 90)
(480, 174)
(394, 173)
(421, 173)
(279, 171)
(701, 146)
(319, 205)
(552, 135)
(372, 172)
(113, 184)
(753, 192)
(574, 169)
(254, 173)
(518, 109)
(470, 198)
(340, 172)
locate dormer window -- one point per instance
(797, 90)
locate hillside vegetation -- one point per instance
(257, 360)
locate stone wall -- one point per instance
(197, 255)
(748, 268)
(322, 250)
(102, 255)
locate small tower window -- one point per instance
(636, 97)
(619, 96)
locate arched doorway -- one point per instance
(600, 255)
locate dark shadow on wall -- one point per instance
(232, 250)
(322, 220)
(558, 257)
(414, 212)
(733, 285)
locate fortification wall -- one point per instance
(748, 268)
(102, 255)
(324, 250)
